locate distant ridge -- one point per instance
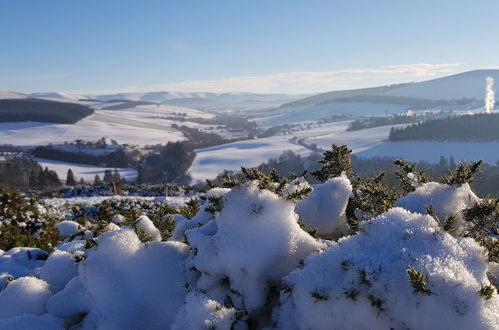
(470, 85)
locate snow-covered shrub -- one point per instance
(325, 208)
(206, 213)
(445, 199)
(25, 221)
(68, 228)
(401, 271)
(26, 295)
(253, 241)
(59, 269)
(124, 284)
(30, 322)
(19, 261)
(200, 312)
(147, 226)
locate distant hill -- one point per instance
(463, 87)
(330, 97)
(12, 95)
(18, 110)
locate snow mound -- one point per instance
(59, 269)
(148, 227)
(325, 208)
(124, 284)
(26, 295)
(21, 261)
(252, 242)
(363, 283)
(68, 228)
(200, 312)
(118, 219)
(183, 224)
(31, 322)
(446, 199)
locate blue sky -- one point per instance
(262, 46)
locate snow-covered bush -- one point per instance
(25, 295)
(124, 284)
(325, 208)
(253, 241)
(200, 312)
(243, 257)
(444, 199)
(401, 271)
(25, 221)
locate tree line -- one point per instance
(481, 127)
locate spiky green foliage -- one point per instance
(487, 291)
(190, 209)
(419, 281)
(409, 176)
(299, 194)
(484, 216)
(319, 296)
(351, 294)
(277, 184)
(25, 221)
(334, 163)
(371, 197)
(447, 223)
(463, 173)
(314, 232)
(484, 220)
(216, 204)
(363, 277)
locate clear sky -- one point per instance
(253, 45)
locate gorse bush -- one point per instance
(25, 221)
(261, 250)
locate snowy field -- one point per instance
(142, 125)
(212, 161)
(368, 143)
(87, 172)
(431, 151)
(171, 200)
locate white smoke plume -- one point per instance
(490, 98)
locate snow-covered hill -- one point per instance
(4, 94)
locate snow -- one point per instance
(4, 94)
(372, 266)
(87, 172)
(118, 218)
(212, 161)
(59, 269)
(148, 227)
(288, 115)
(90, 128)
(68, 228)
(252, 242)
(30, 322)
(325, 208)
(26, 295)
(444, 198)
(171, 200)
(125, 284)
(200, 312)
(432, 151)
(469, 84)
(250, 259)
(22, 261)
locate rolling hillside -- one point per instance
(20, 110)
